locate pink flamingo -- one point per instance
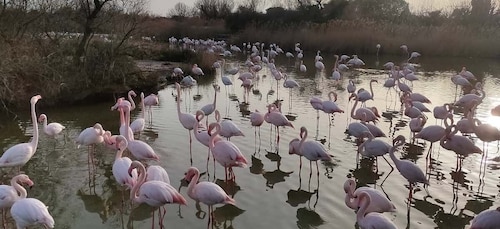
(52, 129)
(225, 152)
(330, 107)
(433, 133)
(459, 144)
(13, 192)
(202, 135)
(206, 192)
(18, 155)
(138, 124)
(371, 114)
(158, 173)
(139, 149)
(486, 219)
(441, 112)
(373, 220)
(407, 169)
(210, 108)
(197, 70)
(153, 193)
(317, 104)
(91, 136)
(312, 150)
(151, 100)
(30, 211)
(417, 124)
(187, 120)
(256, 120)
(121, 165)
(110, 140)
(120, 102)
(276, 118)
(364, 95)
(379, 202)
(228, 127)
(373, 147)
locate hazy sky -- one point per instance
(162, 7)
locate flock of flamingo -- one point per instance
(150, 184)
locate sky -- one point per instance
(162, 7)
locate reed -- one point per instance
(361, 36)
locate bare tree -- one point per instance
(180, 10)
(214, 9)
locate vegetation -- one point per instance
(75, 49)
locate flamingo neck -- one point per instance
(364, 205)
(192, 184)
(143, 108)
(132, 102)
(140, 181)
(303, 136)
(213, 136)
(34, 141)
(179, 102)
(129, 136)
(371, 87)
(45, 123)
(354, 107)
(19, 189)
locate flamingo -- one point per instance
(13, 192)
(374, 130)
(486, 219)
(52, 129)
(417, 124)
(210, 108)
(467, 74)
(276, 118)
(256, 120)
(225, 152)
(441, 112)
(197, 70)
(187, 120)
(329, 106)
(19, 154)
(495, 111)
(30, 211)
(312, 150)
(91, 136)
(432, 133)
(373, 147)
(138, 124)
(123, 131)
(484, 131)
(228, 127)
(154, 193)
(461, 145)
(151, 100)
(356, 129)
(157, 173)
(139, 149)
(369, 113)
(317, 104)
(121, 165)
(206, 192)
(131, 100)
(110, 140)
(302, 67)
(364, 95)
(410, 171)
(380, 203)
(372, 220)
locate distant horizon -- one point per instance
(163, 7)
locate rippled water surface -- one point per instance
(271, 191)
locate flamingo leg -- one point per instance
(190, 147)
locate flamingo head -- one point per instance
(353, 95)
(35, 99)
(134, 165)
(42, 118)
(191, 173)
(399, 140)
(132, 93)
(349, 185)
(199, 115)
(24, 179)
(121, 142)
(99, 128)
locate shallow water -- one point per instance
(271, 191)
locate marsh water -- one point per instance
(272, 192)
